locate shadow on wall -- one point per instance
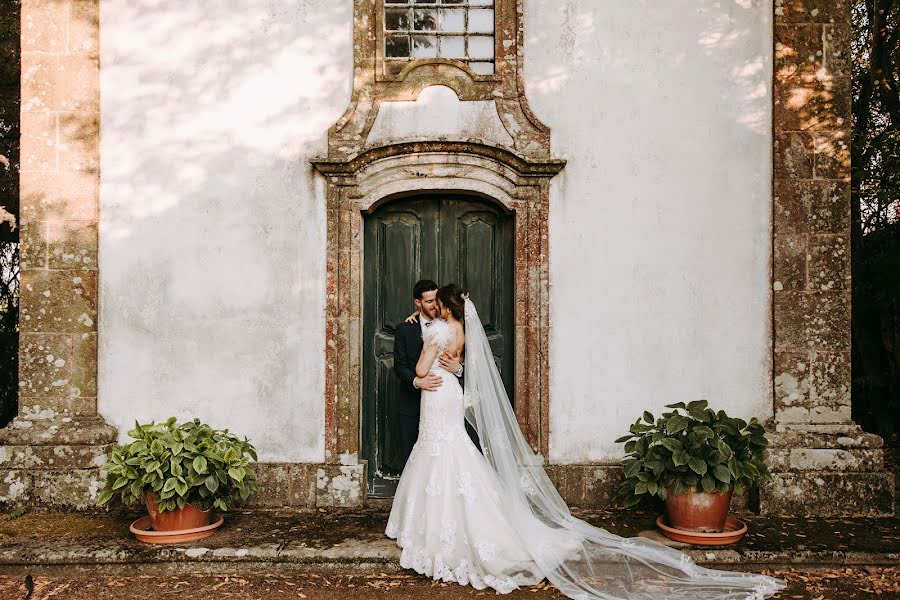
(663, 111)
(660, 52)
(212, 236)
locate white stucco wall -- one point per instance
(660, 222)
(212, 228)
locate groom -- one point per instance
(407, 348)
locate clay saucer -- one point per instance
(734, 531)
(143, 531)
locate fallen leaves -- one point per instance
(821, 583)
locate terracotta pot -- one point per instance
(734, 531)
(694, 510)
(143, 530)
(188, 517)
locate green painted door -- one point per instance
(448, 239)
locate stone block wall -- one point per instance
(822, 462)
(51, 451)
(292, 485)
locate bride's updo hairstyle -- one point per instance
(451, 296)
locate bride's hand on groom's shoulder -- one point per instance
(413, 318)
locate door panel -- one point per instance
(477, 239)
(482, 263)
(387, 381)
(399, 242)
(400, 245)
(447, 239)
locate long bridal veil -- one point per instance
(585, 562)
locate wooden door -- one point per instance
(448, 239)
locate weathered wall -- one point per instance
(660, 222)
(212, 236)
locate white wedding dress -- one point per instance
(448, 514)
(495, 520)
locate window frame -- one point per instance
(384, 74)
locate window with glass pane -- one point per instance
(457, 29)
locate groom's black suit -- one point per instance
(407, 348)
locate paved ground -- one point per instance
(808, 584)
(344, 555)
(352, 542)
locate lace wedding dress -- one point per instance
(449, 514)
(496, 520)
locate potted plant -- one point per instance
(693, 458)
(180, 472)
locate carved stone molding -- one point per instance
(505, 88)
(507, 161)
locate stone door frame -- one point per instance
(356, 187)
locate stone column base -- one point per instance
(835, 471)
(54, 461)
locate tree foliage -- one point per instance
(875, 212)
(9, 330)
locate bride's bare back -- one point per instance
(454, 348)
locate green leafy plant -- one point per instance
(190, 463)
(691, 447)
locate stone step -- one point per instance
(848, 437)
(69, 489)
(54, 457)
(354, 542)
(829, 493)
(825, 459)
(58, 430)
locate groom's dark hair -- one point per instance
(422, 286)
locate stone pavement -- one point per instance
(351, 542)
(845, 583)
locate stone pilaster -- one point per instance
(50, 452)
(822, 462)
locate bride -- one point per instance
(495, 520)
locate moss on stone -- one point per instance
(66, 525)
